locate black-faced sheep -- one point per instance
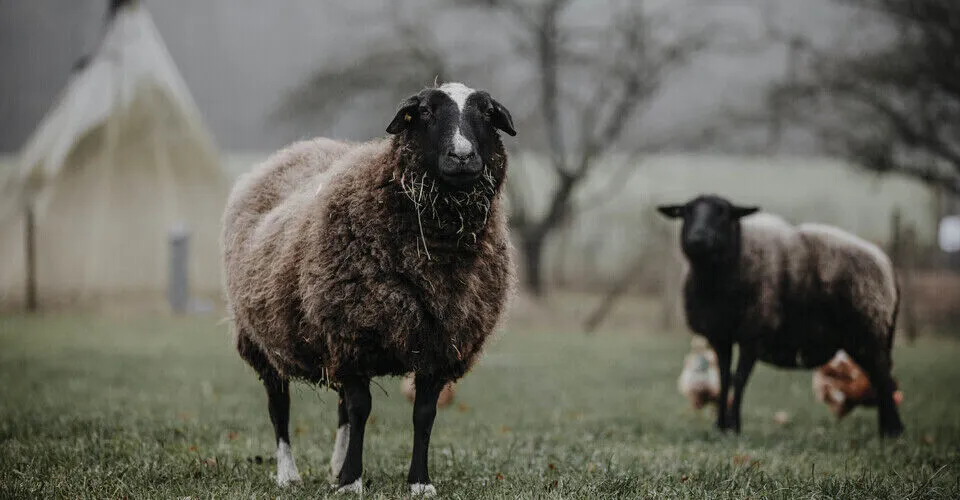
(789, 296)
(348, 261)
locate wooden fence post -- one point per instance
(903, 253)
(908, 266)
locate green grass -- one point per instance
(163, 408)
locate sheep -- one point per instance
(842, 386)
(788, 296)
(346, 261)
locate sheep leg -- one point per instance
(343, 436)
(357, 396)
(424, 413)
(877, 368)
(724, 353)
(278, 403)
(745, 362)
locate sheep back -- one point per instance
(800, 290)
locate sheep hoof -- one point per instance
(339, 454)
(354, 487)
(892, 432)
(422, 490)
(286, 467)
(286, 478)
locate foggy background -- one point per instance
(240, 56)
(737, 100)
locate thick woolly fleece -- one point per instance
(350, 260)
(800, 293)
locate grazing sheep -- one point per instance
(842, 386)
(348, 261)
(789, 296)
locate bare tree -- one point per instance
(590, 85)
(892, 106)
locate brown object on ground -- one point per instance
(842, 386)
(409, 390)
(699, 381)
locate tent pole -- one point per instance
(30, 252)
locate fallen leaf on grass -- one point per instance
(684, 478)
(781, 417)
(462, 408)
(504, 429)
(210, 462)
(740, 459)
(232, 436)
(551, 466)
(927, 439)
(499, 477)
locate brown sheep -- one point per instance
(347, 261)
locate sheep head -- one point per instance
(454, 130)
(711, 227)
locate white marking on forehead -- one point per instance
(461, 145)
(458, 92)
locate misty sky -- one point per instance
(239, 57)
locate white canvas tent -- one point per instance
(121, 159)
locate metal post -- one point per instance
(178, 291)
(30, 251)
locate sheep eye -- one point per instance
(425, 114)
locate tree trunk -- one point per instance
(534, 237)
(532, 247)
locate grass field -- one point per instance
(163, 408)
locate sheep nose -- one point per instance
(698, 241)
(462, 158)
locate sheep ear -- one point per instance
(501, 118)
(739, 212)
(405, 115)
(672, 211)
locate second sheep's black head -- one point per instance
(455, 128)
(711, 226)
